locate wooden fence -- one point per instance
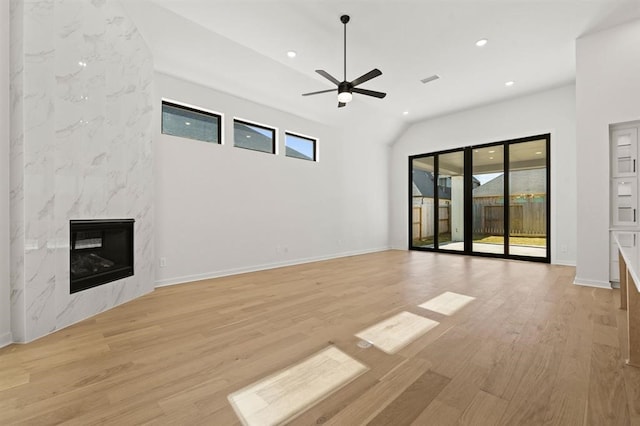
(422, 217)
(527, 215)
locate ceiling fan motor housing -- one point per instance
(345, 86)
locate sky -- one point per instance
(486, 177)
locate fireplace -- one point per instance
(101, 251)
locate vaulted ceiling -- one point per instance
(241, 47)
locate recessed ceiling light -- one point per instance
(481, 42)
(539, 152)
(490, 158)
(291, 54)
(405, 113)
(248, 136)
(510, 83)
(492, 151)
(187, 123)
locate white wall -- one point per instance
(607, 91)
(223, 210)
(5, 313)
(550, 111)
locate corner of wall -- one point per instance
(5, 274)
(592, 283)
(607, 91)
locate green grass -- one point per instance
(515, 241)
(421, 242)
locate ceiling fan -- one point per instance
(347, 88)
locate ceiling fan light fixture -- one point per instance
(345, 97)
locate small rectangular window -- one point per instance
(297, 146)
(192, 123)
(253, 136)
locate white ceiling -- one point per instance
(240, 47)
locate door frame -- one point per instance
(468, 197)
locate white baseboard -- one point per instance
(225, 273)
(592, 283)
(564, 262)
(6, 339)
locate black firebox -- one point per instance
(101, 251)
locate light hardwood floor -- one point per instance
(531, 348)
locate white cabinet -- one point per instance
(624, 152)
(625, 239)
(623, 142)
(624, 202)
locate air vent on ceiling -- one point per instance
(431, 78)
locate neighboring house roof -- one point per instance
(247, 137)
(290, 152)
(423, 185)
(531, 181)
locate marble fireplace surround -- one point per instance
(80, 147)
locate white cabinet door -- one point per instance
(625, 239)
(624, 145)
(625, 201)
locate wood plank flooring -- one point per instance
(530, 348)
(281, 397)
(396, 332)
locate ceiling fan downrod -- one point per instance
(345, 20)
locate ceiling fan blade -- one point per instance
(328, 77)
(318, 92)
(369, 92)
(341, 104)
(366, 77)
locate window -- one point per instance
(192, 123)
(489, 200)
(253, 136)
(297, 146)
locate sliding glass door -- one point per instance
(437, 201)
(451, 201)
(528, 198)
(488, 200)
(422, 202)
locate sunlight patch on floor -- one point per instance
(282, 396)
(447, 303)
(396, 332)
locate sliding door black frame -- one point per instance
(468, 197)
